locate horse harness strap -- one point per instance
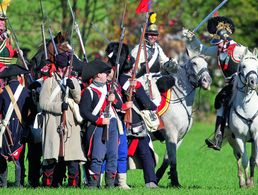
(249, 121)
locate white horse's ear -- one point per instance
(191, 53)
(245, 52)
(255, 52)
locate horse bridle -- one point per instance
(249, 121)
(195, 77)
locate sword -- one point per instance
(209, 15)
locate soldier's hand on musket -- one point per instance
(105, 121)
(64, 106)
(133, 83)
(111, 97)
(188, 34)
(69, 83)
(19, 52)
(129, 104)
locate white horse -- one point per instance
(178, 118)
(243, 118)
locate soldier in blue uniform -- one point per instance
(14, 107)
(112, 52)
(101, 134)
(139, 145)
(228, 53)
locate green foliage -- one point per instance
(25, 17)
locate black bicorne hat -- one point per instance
(12, 70)
(78, 64)
(221, 28)
(93, 68)
(112, 51)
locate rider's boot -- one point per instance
(216, 142)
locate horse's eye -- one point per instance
(244, 67)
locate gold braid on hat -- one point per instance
(222, 25)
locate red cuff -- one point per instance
(115, 101)
(99, 121)
(138, 85)
(124, 107)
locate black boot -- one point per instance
(110, 179)
(216, 142)
(93, 180)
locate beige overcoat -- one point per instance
(51, 106)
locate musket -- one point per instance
(77, 29)
(61, 127)
(128, 114)
(16, 42)
(147, 68)
(114, 78)
(209, 15)
(43, 30)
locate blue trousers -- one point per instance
(107, 150)
(143, 151)
(122, 154)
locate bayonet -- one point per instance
(77, 30)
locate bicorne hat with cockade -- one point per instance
(221, 28)
(94, 67)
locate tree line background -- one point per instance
(25, 17)
(106, 15)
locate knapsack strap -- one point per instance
(14, 102)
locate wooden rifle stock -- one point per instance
(61, 130)
(128, 114)
(61, 127)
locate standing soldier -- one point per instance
(14, 108)
(101, 128)
(112, 52)
(228, 54)
(58, 148)
(138, 138)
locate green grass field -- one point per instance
(201, 171)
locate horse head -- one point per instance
(38, 60)
(248, 71)
(197, 71)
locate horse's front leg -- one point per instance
(162, 169)
(253, 162)
(240, 173)
(171, 144)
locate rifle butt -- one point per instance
(128, 118)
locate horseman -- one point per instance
(155, 55)
(228, 53)
(156, 59)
